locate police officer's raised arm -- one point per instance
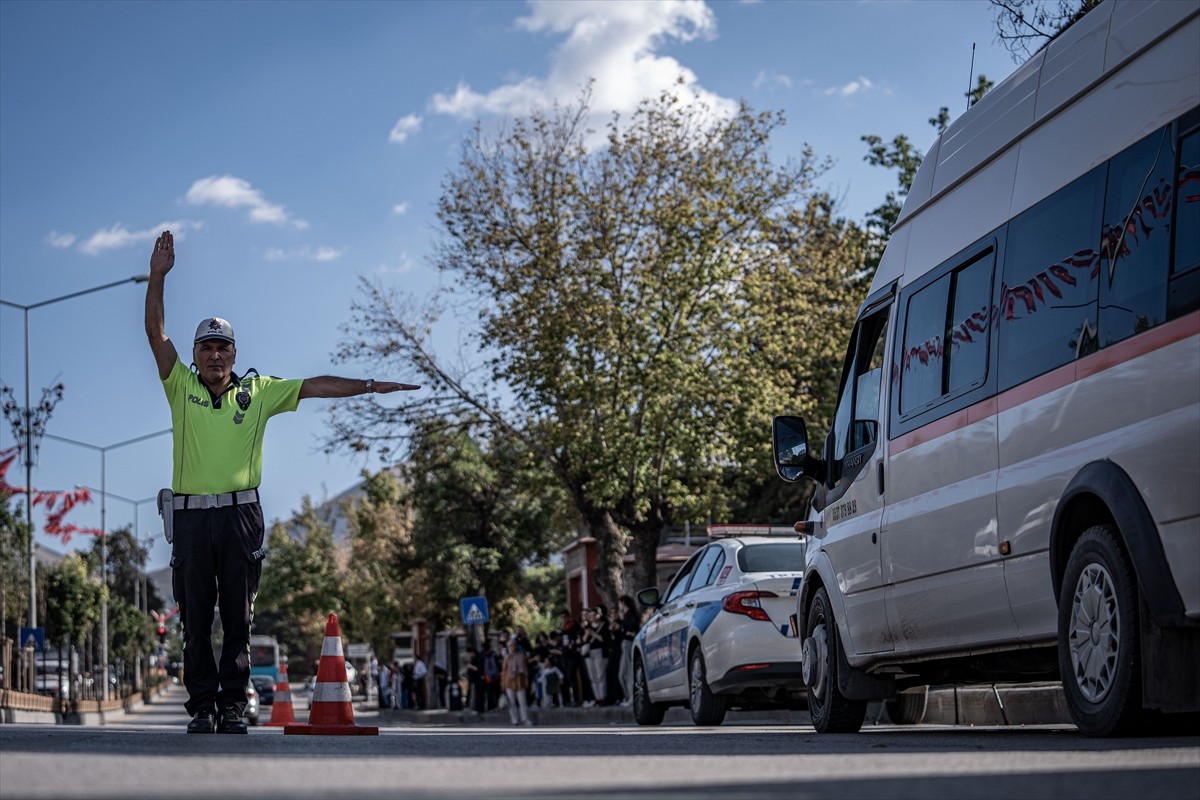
(161, 261)
(330, 386)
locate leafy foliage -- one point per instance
(126, 560)
(129, 630)
(299, 586)
(480, 512)
(901, 155)
(72, 600)
(618, 294)
(14, 568)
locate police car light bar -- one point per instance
(730, 531)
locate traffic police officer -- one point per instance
(218, 421)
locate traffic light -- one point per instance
(162, 632)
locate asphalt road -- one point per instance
(147, 755)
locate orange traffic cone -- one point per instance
(282, 712)
(330, 712)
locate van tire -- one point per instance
(830, 710)
(645, 712)
(707, 708)
(908, 707)
(1098, 638)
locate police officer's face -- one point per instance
(214, 358)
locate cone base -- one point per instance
(331, 730)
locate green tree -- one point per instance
(480, 515)
(809, 295)
(543, 597)
(72, 600)
(126, 560)
(380, 532)
(129, 630)
(14, 568)
(614, 290)
(299, 587)
(901, 155)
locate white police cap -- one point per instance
(214, 328)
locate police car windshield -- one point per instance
(772, 557)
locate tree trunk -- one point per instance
(611, 544)
(645, 565)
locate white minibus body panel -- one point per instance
(1019, 497)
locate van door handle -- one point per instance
(879, 475)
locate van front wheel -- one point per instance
(1098, 640)
(830, 710)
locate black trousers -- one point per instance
(216, 561)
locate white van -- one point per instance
(1011, 488)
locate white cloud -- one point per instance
(60, 240)
(404, 127)
(851, 88)
(617, 44)
(118, 236)
(232, 192)
(400, 209)
(305, 253)
(772, 79)
(403, 265)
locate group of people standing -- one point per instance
(402, 685)
(585, 663)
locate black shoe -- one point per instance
(231, 721)
(205, 721)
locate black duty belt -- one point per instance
(193, 502)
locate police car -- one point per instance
(720, 636)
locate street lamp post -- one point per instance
(104, 533)
(28, 429)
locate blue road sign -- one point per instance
(474, 610)
(35, 637)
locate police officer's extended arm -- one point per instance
(330, 386)
(161, 261)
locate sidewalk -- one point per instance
(1003, 704)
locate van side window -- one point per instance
(1047, 308)
(1135, 244)
(1185, 271)
(952, 310)
(856, 422)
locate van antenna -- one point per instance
(971, 77)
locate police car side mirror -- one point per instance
(649, 597)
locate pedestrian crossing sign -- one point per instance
(474, 610)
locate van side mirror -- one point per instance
(789, 439)
(649, 597)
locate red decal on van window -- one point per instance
(1017, 302)
(724, 574)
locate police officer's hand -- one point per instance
(387, 387)
(163, 257)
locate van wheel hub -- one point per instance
(815, 654)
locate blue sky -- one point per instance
(293, 147)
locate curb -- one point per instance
(988, 705)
